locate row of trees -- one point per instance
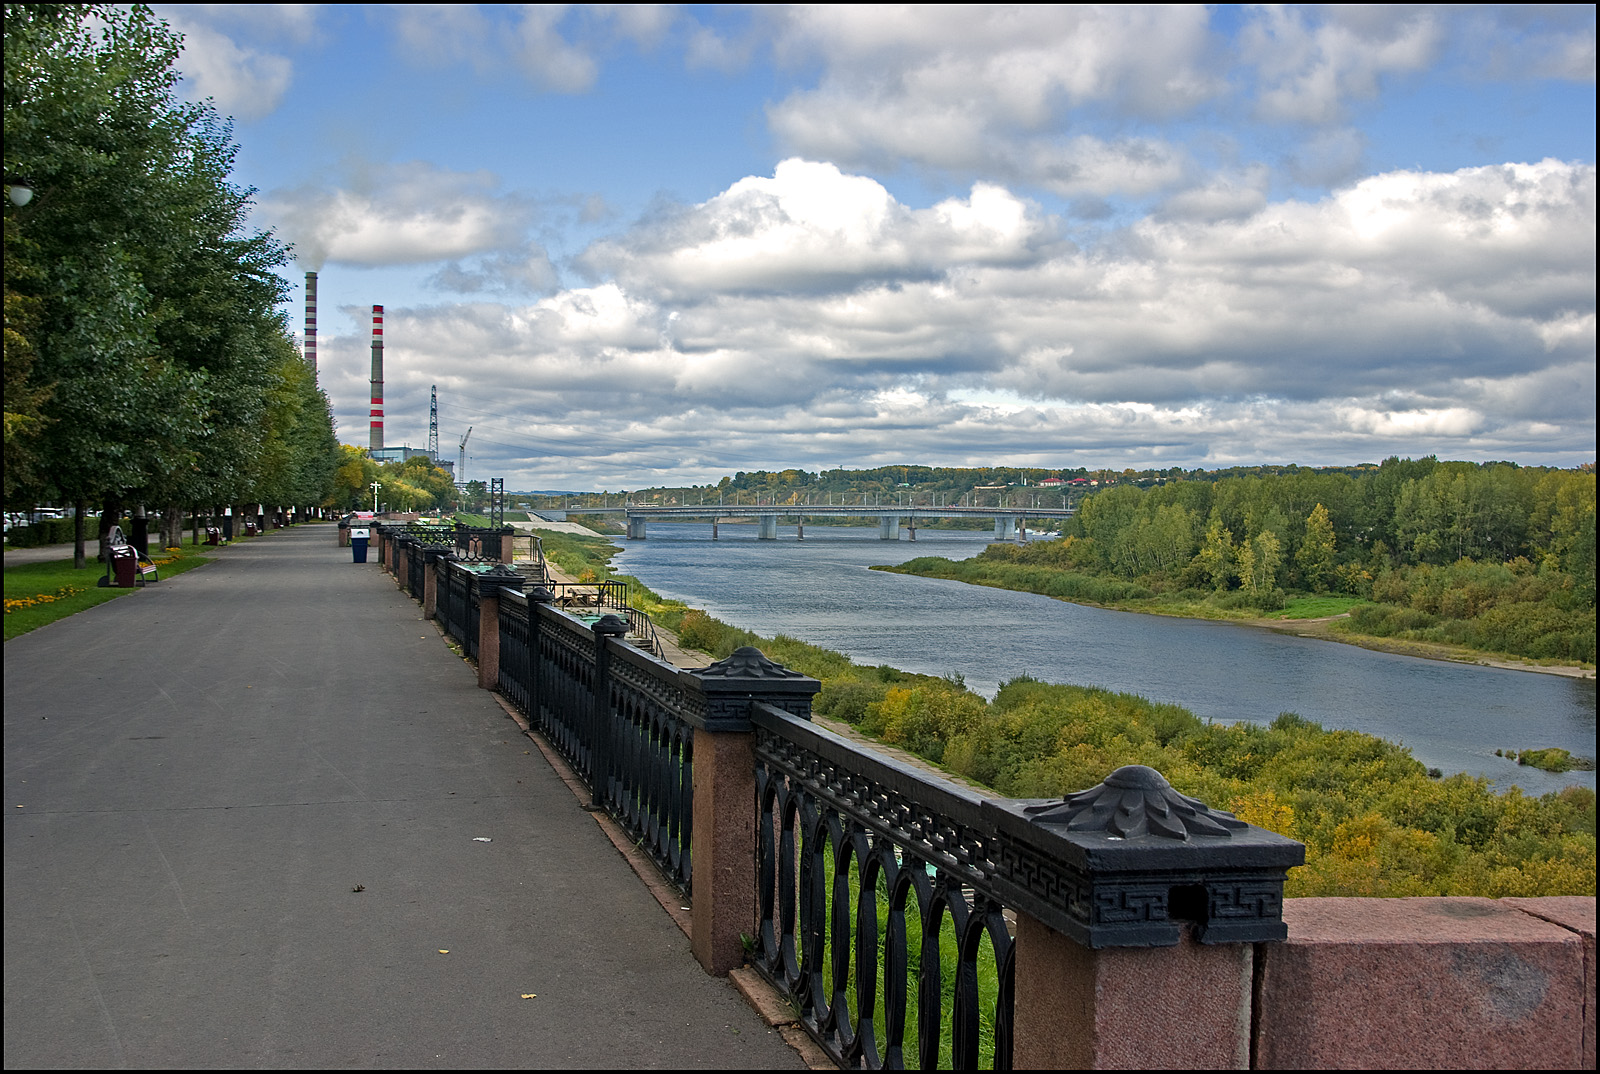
(413, 485)
(1492, 556)
(146, 360)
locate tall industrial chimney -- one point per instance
(311, 323)
(377, 378)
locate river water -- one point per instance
(1452, 716)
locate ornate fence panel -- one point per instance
(877, 915)
(458, 605)
(562, 685)
(469, 622)
(516, 669)
(649, 787)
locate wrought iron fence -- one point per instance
(457, 604)
(885, 898)
(875, 911)
(614, 713)
(477, 542)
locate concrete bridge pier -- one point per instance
(769, 528)
(1005, 528)
(713, 529)
(889, 528)
(635, 528)
(911, 526)
(1022, 531)
(800, 530)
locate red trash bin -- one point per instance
(124, 567)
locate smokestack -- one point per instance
(311, 323)
(377, 378)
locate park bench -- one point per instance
(126, 566)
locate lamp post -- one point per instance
(376, 485)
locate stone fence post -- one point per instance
(1137, 914)
(489, 584)
(402, 549)
(723, 866)
(431, 557)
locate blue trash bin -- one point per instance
(358, 543)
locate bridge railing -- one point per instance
(914, 922)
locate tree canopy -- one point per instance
(145, 357)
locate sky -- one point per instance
(651, 246)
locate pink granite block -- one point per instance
(724, 877)
(1410, 983)
(1576, 913)
(1184, 1007)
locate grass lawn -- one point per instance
(1316, 607)
(40, 593)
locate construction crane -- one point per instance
(461, 466)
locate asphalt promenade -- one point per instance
(259, 815)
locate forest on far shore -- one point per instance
(1493, 557)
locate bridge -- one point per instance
(1010, 523)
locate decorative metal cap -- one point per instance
(1136, 801)
(611, 626)
(496, 578)
(541, 595)
(1126, 862)
(748, 662)
(727, 688)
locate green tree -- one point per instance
(1216, 558)
(1315, 557)
(150, 347)
(353, 475)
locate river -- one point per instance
(1452, 716)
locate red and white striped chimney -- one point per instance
(377, 378)
(311, 323)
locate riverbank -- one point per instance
(1320, 628)
(1325, 630)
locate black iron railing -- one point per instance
(886, 898)
(457, 604)
(875, 915)
(613, 712)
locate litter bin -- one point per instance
(124, 567)
(358, 543)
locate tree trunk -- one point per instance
(110, 514)
(78, 558)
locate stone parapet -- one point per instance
(1429, 982)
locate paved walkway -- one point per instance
(257, 815)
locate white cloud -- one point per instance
(1307, 72)
(403, 214)
(547, 57)
(243, 82)
(987, 88)
(808, 318)
(812, 227)
(442, 34)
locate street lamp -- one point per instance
(376, 485)
(19, 193)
